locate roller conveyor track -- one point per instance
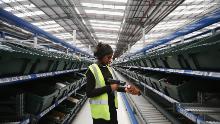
(144, 109)
(148, 112)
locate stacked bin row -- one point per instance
(201, 54)
(17, 60)
(181, 89)
(42, 93)
(66, 110)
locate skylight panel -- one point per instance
(30, 14)
(104, 28)
(103, 6)
(44, 23)
(108, 41)
(105, 22)
(105, 25)
(117, 1)
(10, 1)
(64, 37)
(114, 7)
(190, 1)
(20, 7)
(54, 29)
(63, 34)
(50, 26)
(106, 35)
(188, 12)
(104, 12)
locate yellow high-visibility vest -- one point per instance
(99, 104)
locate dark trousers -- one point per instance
(113, 118)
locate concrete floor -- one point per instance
(84, 115)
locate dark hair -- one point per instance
(102, 50)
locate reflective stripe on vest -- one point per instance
(98, 102)
(99, 105)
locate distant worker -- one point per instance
(103, 96)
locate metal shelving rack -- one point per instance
(197, 113)
(40, 115)
(206, 74)
(190, 111)
(19, 79)
(37, 32)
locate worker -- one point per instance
(102, 94)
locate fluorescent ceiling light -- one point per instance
(106, 36)
(105, 25)
(189, 1)
(188, 12)
(65, 37)
(105, 22)
(30, 14)
(108, 41)
(103, 33)
(174, 22)
(103, 6)
(117, 1)
(10, 1)
(50, 26)
(44, 23)
(105, 12)
(54, 29)
(62, 34)
(189, 7)
(104, 28)
(20, 7)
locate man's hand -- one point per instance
(132, 90)
(114, 87)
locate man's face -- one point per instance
(107, 59)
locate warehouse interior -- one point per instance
(168, 49)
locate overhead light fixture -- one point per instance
(107, 41)
(50, 26)
(54, 29)
(20, 7)
(30, 14)
(105, 12)
(187, 12)
(103, 6)
(107, 37)
(104, 28)
(117, 1)
(69, 36)
(58, 34)
(10, 1)
(44, 23)
(105, 25)
(105, 22)
(98, 33)
(189, 1)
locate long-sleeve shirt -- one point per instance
(91, 91)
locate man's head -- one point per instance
(104, 53)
